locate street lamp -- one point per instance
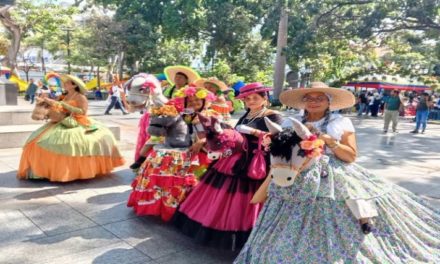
(68, 30)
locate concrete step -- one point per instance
(16, 116)
(21, 115)
(14, 136)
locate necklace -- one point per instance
(253, 117)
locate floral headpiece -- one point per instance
(313, 146)
(199, 92)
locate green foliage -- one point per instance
(44, 23)
(4, 44)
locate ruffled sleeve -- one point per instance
(338, 126)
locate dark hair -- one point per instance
(183, 74)
(185, 103)
(264, 95)
(77, 89)
(243, 117)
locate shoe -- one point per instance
(107, 114)
(125, 113)
(366, 228)
(385, 131)
(135, 166)
(423, 131)
(415, 132)
(395, 131)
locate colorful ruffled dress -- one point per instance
(62, 154)
(309, 221)
(165, 179)
(218, 211)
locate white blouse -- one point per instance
(336, 127)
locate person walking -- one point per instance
(115, 99)
(363, 103)
(391, 108)
(422, 112)
(31, 91)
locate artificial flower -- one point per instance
(190, 91)
(202, 93)
(307, 144)
(180, 93)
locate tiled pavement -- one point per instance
(88, 222)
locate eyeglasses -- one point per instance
(319, 99)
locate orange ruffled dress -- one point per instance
(62, 154)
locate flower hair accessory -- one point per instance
(199, 92)
(312, 146)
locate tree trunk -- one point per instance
(43, 65)
(91, 72)
(15, 30)
(121, 64)
(98, 78)
(280, 61)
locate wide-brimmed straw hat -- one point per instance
(212, 80)
(339, 98)
(81, 85)
(252, 88)
(171, 71)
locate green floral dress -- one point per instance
(309, 221)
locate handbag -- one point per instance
(257, 167)
(69, 122)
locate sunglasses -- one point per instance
(319, 99)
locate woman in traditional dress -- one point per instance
(169, 172)
(311, 221)
(218, 211)
(71, 146)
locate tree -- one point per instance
(37, 24)
(15, 30)
(4, 44)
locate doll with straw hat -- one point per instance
(218, 88)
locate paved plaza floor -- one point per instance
(88, 221)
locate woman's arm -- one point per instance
(274, 117)
(346, 149)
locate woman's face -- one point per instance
(69, 86)
(254, 101)
(194, 103)
(316, 102)
(180, 80)
(211, 87)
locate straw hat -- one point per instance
(76, 80)
(171, 72)
(221, 85)
(252, 88)
(339, 98)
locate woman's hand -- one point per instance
(49, 101)
(197, 146)
(328, 140)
